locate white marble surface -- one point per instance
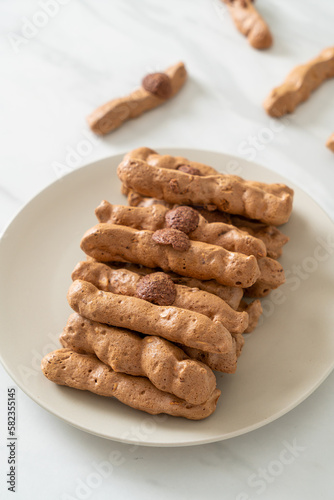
(85, 53)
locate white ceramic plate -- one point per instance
(282, 363)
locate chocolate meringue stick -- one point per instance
(164, 364)
(271, 236)
(155, 90)
(249, 22)
(187, 166)
(330, 142)
(174, 324)
(185, 219)
(153, 287)
(231, 295)
(171, 250)
(228, 193)
(299, 84)
(87, 373)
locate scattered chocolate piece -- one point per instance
(174, 185)
(187, 169)
(178, 240)
(183, 218)
(157, 288)
(158, 84)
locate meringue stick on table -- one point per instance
(171, 250)
(249, 22)
(155, 90)
(299, 84)
(330, 142)
(87, 373)
(228, 193)
(152, 288)
(174, 324)
(164, 364)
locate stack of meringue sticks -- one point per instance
(159, 302)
